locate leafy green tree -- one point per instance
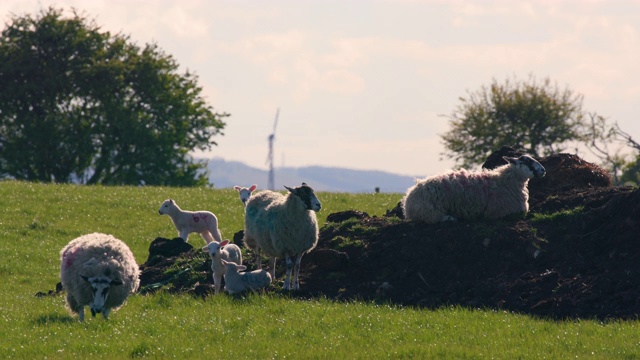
(536, 117)
(631, 173)
(79, 104)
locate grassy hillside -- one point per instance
(37, 220)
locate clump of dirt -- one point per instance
(576, 255)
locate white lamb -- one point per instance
(283, 226)
(220, 252)
(97, 270)
(245, 193)
(487, 194)
(202, 222)
(237, 282)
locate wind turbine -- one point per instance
(270, 156)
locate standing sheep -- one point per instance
(492, 194)
(237, 282)
(97, 270)
(220, 252)
(259, 203)
(202, 222)
(245, 193)
(283, 226)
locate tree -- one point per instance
(602, 135)
(78, 104)
(536, 117)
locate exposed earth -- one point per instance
(580, 260)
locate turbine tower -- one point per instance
(270, 156)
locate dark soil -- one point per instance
(581, 263)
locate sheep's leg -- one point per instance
(184, 235)
(105, 312)
(217, 281)
(287, 279)
(206, 236)
(296, 271)
(216, 234)
(272, 263)
(75, 307)
(258, 258)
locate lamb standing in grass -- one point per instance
(204, 223)
(97, 270)
(492, 194)
(283, 226)
(220, 252)
(237, 282)
(245, 193)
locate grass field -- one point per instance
(37, 220)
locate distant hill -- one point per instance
(225, 174)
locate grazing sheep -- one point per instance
(220, 252)
(468, 195)
(237, 282)
(283, 226)
(97, 270)
(204, 223)
(245, 193)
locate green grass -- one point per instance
(37, 220)
(558, 215)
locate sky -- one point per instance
(368, 84)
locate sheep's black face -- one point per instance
(308, 197)
(100, 286)
(534, 166)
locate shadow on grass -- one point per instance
(53, 319)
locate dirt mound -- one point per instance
(575, 255)
(561, 267)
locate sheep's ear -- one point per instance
(293, 191)
(237, 188)
(116, 282)
(85, 278)
(510, 160)
(242, 267)
(205, 249)
(253, 187)
(224, 242)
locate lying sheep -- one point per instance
(204, 223)
(283, 226)
(220, 252)
(245, 193)
(97, 270)
(461, 194)
(237, 282)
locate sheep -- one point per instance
(220, 252)
(245, 193)
(97, 270)
(202, 222)
(283, 226)
(259, 202)
(487, 194)
(237, 282)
